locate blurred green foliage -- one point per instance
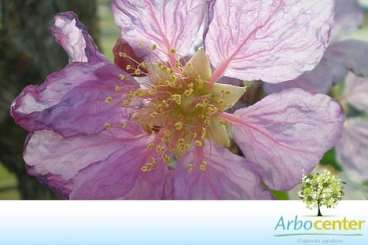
(28, 53)
(280, 195)
(329, 159)
(109, 31)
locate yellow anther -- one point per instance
(221, 101)
(176, 98)
(160, 149)
(107, 125)
(169, 70)
(134, 115)
(181, 148)
(199, 83)
(188, 92)
(198, 143)
(198, 105)
(128, 67)
(118, 88)
(179, 125)
(123, 124)
(161, 66)
(166, 158)
(144, 169)
(150, 146)
(171, 83)
(212, 110)
(149, 166)
(203, 166)
(203, 135)
(181, 141)
(108, 99)
(190, 85)
(137, 72)
(143, 65)
(153, 114)
(140, 93)
(122, 76)
(164, 102)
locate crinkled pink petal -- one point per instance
(339, 58)
(101, 166)
(73, 36)
(228, 176)
(74, 100)
(349, 15)
(56, 160)
(356, 91)
(272, 40)
(286, 134)
(169, 24)
(120, 176)
(352, 151)
(329, 71)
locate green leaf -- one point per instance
(280, 195)
(329, 159)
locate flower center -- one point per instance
(181, 107)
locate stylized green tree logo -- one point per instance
(321, 189)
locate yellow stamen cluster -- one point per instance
(181, 107)
(149, 166)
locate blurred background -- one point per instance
(28, 53)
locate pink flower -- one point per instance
(98, 134)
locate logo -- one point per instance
(319, 190)
(336, 226)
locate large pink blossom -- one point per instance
(96, 133)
